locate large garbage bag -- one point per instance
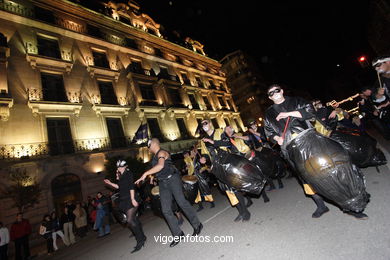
(361, 148)
(326, 166)
(270, 163)
(238, 172)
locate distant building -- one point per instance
(379, 26)
(76, 82)
(247, 84)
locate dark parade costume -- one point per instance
(360, 146)
(171, 186)
(320, 161)
(235, 173)
(126, 183)
(202, 172)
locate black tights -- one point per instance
(134, 224)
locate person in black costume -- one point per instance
(203, 172)
(170, 186)
(284, 120)
(128, 201)
(212, 140)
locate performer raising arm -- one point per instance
(170, 185)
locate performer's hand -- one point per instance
(333, 114)
(376, 113)
(282, 115)
(151, 179)
(279, 139)
(107, 181)
(140, 179)
(134, 202)
(207, 140)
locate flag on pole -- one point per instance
(141, 135)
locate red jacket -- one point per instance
(20, 229)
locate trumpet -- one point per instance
(334, 103)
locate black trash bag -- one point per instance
(238, 172)
(361, 148)
(326, 166)
(190, 190)
(270, 163)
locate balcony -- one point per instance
(15, 8)
(47, 63)
(40, 150)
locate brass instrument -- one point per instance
(334, 103)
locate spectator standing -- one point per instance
(57, 230)
(46, 231)
(80, 220)
(4, 240)
(20, 232)
(102, 215)
(67, 220)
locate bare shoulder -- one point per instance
(163, 154)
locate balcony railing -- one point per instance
(15, 151)
(16, 8)
(41, 149)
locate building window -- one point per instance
(212, 85)
(136, 67)
(115, 132)
(59, 135)
(221, 102)
(53, 87)
(182, 128)
(215, 123)
(175, 97)
(193, 101)
(186, 81)
(199, 81)
(147, 92)
(48, 47)
(100, 59)
(226, 121)
(155, 130)
(107, 93)
(164, 74)
(207, 103)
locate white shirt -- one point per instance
(4, 236)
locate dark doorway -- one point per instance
(182, 128)
(65, 187)
(155, 130)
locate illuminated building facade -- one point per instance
(76, 82)
(247, 85)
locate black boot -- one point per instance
(240, 213)
(200, 207)
(139, 245)
(177, 239)
(212, 204)
(360, 215)
(321, 208)
(265, 197)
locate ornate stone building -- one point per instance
(247, 84)
(77, 81)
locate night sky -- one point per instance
(312, 47)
